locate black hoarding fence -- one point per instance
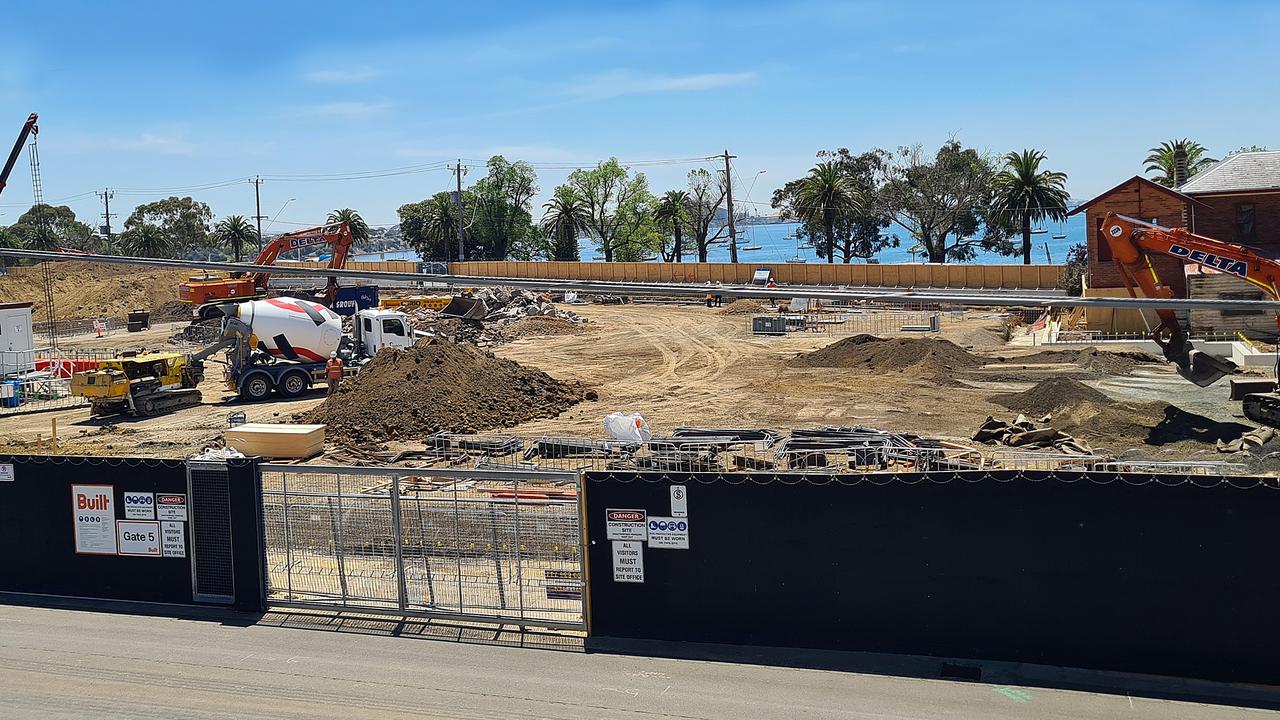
(105, 528)
(1147, 573)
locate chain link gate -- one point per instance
(493, 545)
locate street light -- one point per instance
(282, 207)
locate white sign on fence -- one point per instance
(679, 501)
(6, 472)
(171, 506)
(625, 524)
(173, 539)
(140, 506)
(628, 561)
(93, 507)
(669, 532)
(138, 537)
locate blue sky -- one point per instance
(145, 97)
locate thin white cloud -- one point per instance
(157, 144)
(341, 76)
(630, 82)
(350, 109)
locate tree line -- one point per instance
(952, 203)
(175, 227)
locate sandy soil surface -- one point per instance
(681, 365)
(82, 290)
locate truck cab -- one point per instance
(376, 329)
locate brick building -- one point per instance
(1236, 200)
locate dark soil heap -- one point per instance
(926, 357)
(1049, 395)
(743, 307)
(1091, 358)
(540, 325)
(439, 385)
(1084, 412)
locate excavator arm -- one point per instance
(1132, 244)
(338, 235)
(28, 129)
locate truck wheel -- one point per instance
(293, 384)
(256, 387)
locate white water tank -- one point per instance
(293, 329)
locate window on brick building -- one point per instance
(1246, 229)
(1104, 249)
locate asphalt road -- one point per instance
(71, 664)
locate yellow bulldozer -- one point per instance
(140, 384)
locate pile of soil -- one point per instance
(84, 290)
(1049, 395)
(171, 311)
(926, 357)
(1081, 411)
(1091, 358)
(540, 326)
(743, 307)
(440, 385)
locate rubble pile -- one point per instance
(510, 314)
(510, 306)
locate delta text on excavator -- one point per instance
(1133, 242)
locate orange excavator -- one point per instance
(1133, 242)
(204, 291)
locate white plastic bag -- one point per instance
(627, 428)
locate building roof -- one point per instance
(14, 305)
(1143, 182)
(1240, 172)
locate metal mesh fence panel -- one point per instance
(449, 543)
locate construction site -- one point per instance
(532, 369)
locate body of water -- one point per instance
(777, 244)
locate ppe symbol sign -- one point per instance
(669, 532)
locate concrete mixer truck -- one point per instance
(276, 345)
(281, 344)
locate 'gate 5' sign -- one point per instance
(139, 506)
(138, 538)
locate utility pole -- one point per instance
(728, 194)
(458, 171)
(106, 196)
(257, 202)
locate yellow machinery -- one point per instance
(414, 302)
(140, 384)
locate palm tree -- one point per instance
(823, 196)
(672, 209)
(1027, 194)
(439, 226)
(146, 241)
(565, 220)
(233, 232)
(359, 228)
(1161, 159)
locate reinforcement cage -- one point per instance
(492, 545)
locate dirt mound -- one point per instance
(1049, 395)
(931, 357)
(439, 385)
(1084, 412)
(82, 289)
(540, 326)
(1091, 358)
(171, 311)
(743, 307)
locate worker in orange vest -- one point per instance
(333, 371)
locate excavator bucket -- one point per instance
(466, 308)
(1197, 366)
